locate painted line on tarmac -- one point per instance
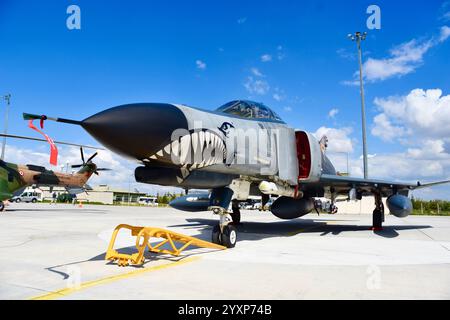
(66, 291)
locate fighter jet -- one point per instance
(14, 177)
(241, 149)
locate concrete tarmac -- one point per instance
(57, 252)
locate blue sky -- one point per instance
(293, 56)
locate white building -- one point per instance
(100, 194)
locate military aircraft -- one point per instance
(14, 177)
(241, 149)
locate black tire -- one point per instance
(229, 236)
(34, 200)
(216, 236)
(236, 215)
(18, 200)
(2, 206)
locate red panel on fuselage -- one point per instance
(303, 154)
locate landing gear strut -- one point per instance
(224, 233)
(378, 213)
(236, 213)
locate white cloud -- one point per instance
(256, 72)
(338, 139)
(351, 83)
(445, 11)
(418, 120)
(429, 150)
(345, 54)
(266, 58)
(277, 97)
(280, 53)
(287, 109)
(200, 64)
(278, 94)
(445, 32)
(333, 112)
(422, 112)
(403, 59)
(257, 86)
(242, 20)
(385, 130)
(400, 166)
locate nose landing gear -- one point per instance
(224, 233)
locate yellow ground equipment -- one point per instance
(143, 236)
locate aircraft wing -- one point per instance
(343, 184)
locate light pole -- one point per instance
(8, 99)
(358, 37)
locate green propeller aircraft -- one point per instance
(14, 177)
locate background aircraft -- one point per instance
(14, 177)
(241, 149)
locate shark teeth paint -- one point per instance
(198, 149)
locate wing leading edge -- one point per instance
(343, 184)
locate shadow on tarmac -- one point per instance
(261, 230)
(251, 231)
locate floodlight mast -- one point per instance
(8, 99)
(358, 37)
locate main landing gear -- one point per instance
(235, 212)
(224, 233)
(378, 213)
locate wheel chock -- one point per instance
(144, 234)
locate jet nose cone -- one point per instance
(135, 130)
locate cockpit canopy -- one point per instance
(249, 109)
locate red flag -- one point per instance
(53, 149)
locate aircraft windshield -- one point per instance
(248, 109)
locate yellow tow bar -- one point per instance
(144, 234)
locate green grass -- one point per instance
(430, 213)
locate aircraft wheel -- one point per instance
(236, 215)
(2, 206)
(216, 236)
(229, 236)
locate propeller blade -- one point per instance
(77, 165)
(92, 157)
(82, 155)
(43, 140)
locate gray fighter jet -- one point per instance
(241, 149)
